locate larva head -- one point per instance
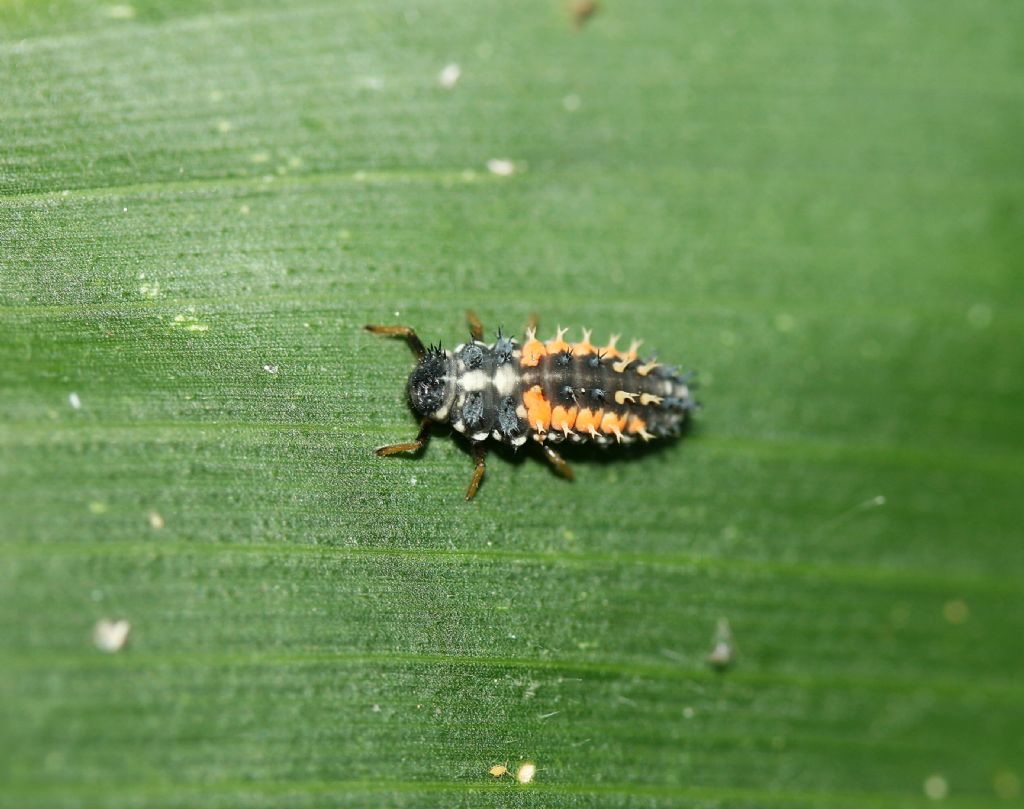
(431, 389)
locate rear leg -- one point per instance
(557, 461)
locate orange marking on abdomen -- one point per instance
(532, 352)
(563, 418)
(588, 418)
(538, 409)
(556, 345)
(636, 424)
(612, 421)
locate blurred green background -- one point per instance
(819, 205)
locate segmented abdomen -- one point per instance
(580, 392)
(556, 391)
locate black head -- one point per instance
(429, 387)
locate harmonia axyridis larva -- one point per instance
(549, 391)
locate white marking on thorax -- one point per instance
(505, 379)
(474, 380)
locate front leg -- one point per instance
(402, 331)
(410, 446)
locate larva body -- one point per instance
(556, 391)
(548, 392)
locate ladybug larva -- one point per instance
(549, 392)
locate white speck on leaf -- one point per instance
(97, 507)
(224, 126)
(935, 787)
(527, 770)
(121, 11)
(449, 77)
(501, 167)
(156, 522)
(74, 401)
(980, 316)
(110, 636)
(723, 652)
(270, 369)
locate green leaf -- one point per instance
(819, 205)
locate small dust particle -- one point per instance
(582, 10)
(568, 535)
(449, 76)
(899, 616)
(499, 770)
(271, 369)
(124, 210)
(151, 291)
(1006, 784)
(120, 12)
(224, 126)
(572, 102)
(97, 507)
(110, 636)
(501, 167)
(721, 656)
(784, 322)
(935, 787)
(156, 522)
(376, 708)
(413, 481)
(688, 712)
(526, 771)
(980, 316)
(245, 210)
(956, 611)
(74, 401)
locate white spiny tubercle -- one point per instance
(646, 436)
(634, 346)
(621, 365)
(647, 367)
(650, 398)
(621, 396)
(559, 334)
(586, 335)
(608, 349)
(618, 434)
(567, 432)
(593, 432)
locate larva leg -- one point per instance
(476, 328)
(401, 331)
(557, 461)
(410, 446)
(480, 459)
